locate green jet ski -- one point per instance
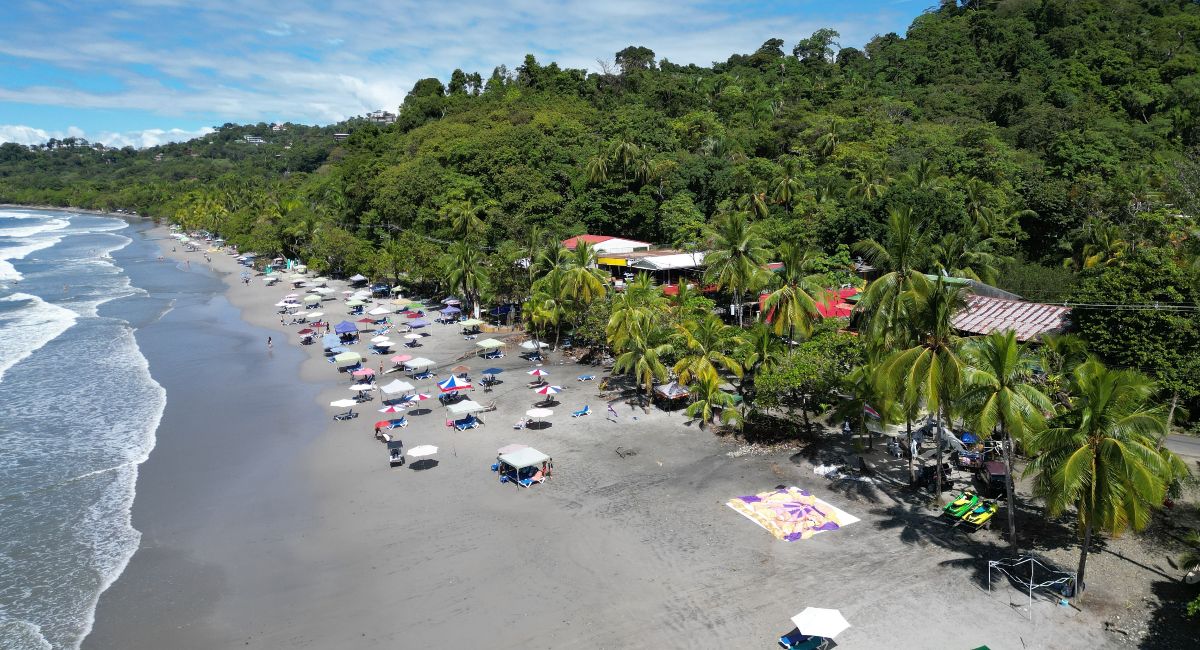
(961, 505)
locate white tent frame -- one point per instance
(1010, 567)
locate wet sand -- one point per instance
(268, 525)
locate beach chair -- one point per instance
(397, 423)
(794, 640)
(521, 424)
(586, 377)
(586, 410)
(538, 477)
(469, 422)
(348, 415)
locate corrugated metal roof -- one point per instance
(984, 315)
(669, 262)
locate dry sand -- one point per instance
(613, 552)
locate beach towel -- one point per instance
(791, 513)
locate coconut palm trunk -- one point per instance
(1009, 499)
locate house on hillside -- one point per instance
(381, 117)
(253, 139)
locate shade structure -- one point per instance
(343, 403)
(312, 299)
(363, 387)
(671, 391)
(418, 363)
(330, 341)
(363, 372)
(345, 327)
(539, 413)
(358, 278)
(466, 407)
(538, 372)
(396, 386)
(530, 345)
(380, 339)
(382, 345)
(489, 344)
(451, 300)
(453, 383)
(348, 358)
(392, 409)
(418, 397)
(315, 314)
(460, 370)
(355, 303)
(493, 371)
(379, 311)
(418, 322)
(522, 458)
(422, 450)
(549, 390)
(508, 449)
(450, 311)
(283, 303)
(291, 296)
(397, 289)
(471, 322)
(401, 358)
(306, 331)
(413, 337)
(320, 280)
(818, 621)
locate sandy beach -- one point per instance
(267, 524)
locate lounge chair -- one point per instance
(586, 377)
(794, 640)
(494, 355)
(469, 422)
(348, 415)
(521, 424)
(586, 410)
(397, 423)
(537, 477)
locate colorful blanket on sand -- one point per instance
(791, 513)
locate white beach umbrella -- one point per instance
(343, 403)
(422, 450)
(363, 387)
(379, 311)
(539, 413)
(316, 314)
(817, 621)
(282, 304)
(312, 299)
(413, 336)
(380, 339)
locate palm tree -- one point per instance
(760, 350)
(930, 372)
(828, 142)
(904, 247)
(964, 255)
(583, 281)
(703, 345)
(464, 270)
(754, 201)
(791, 305)
(626, 153)
(1000, 397)
(597, 169)
(870, 184)
(464, 218)
(708, 400)
(641, 352)
(786, 185)
(925, 176)
(1101, 456)
(736, 261)
(549, 301)
(863, 388)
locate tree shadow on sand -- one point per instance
(1169, 626)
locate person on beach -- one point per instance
(269, 344)
(613, 411)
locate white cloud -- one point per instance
(22, 134)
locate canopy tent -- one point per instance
(379, 311)
(397, 386)
(466, 407)
(355, 303)
(347, 358)
(418, 363)
(471, 322)
(453, 383)
(312, 299)
(818, 621)
(418, 323)
(490, 344)
(345, 327)
(358, 278)
(522, 458)
(530, 345)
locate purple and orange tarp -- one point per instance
(791, 513)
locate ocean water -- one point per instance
(78, 414)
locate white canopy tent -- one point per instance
(466, 407)
(490, 344)
(397, 386)
(418, 363)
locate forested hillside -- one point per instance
(1041, 145)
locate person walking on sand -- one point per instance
(269, 344)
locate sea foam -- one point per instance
(30, 327)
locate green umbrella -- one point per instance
(348, 357)
(355, 303)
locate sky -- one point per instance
(144, 72)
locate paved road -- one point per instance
(1184, 445)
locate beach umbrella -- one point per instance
(363, 387)
(291, 296)
(383, 344)
(538, 414)
(363, 372)
(343, 403)
(348, 358)
(422, 450)
(316, 314)
(549, 390)
(451, 301)
(312, 299)
(452, 384)
(817, 621)
(345, 327)
(392, 409)
(379, 339)
(355, 303)
(305, 331)
(418, 397)
(379, 311)
(358, 278)
(413, 337)
(282, 304)
(397, 289)
(538, 372)
(397, 386)
(320, 280)
(493, 371)
(348, 292)
(367, 321)
(460, 370)
(450, 311)
(401, 358)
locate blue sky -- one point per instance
(142, 72)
